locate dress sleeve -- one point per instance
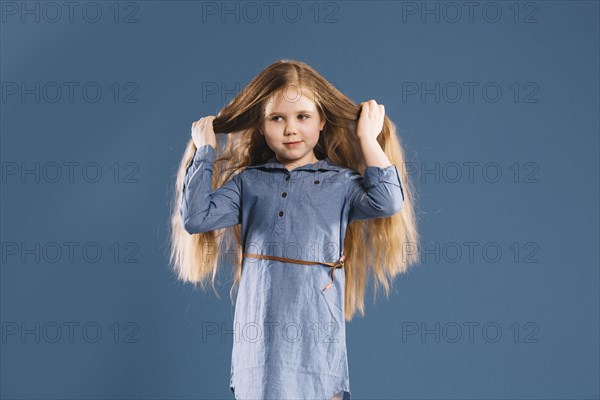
(203, 209)
(378, 194)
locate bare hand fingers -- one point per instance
(371, 107)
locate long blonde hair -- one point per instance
(380, 245)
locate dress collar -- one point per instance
(321, 164)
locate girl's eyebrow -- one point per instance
(299, 112)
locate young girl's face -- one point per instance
(291, 127)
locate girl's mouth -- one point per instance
(292, 144)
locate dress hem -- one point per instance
(345, 396)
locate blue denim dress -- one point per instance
(289, 339)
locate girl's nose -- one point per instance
(291, 127)
(290, 130)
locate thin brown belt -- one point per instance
(337, 264)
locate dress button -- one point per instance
(280, 213)
(284, 194)
(317, 181)
(287, 178)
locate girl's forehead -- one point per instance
(292, 99)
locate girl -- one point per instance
(306, 225)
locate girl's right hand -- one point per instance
(203, 132)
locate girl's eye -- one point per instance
(301, 115)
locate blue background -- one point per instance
(542, 291)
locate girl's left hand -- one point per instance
(370, 122)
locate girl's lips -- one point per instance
(293, 143)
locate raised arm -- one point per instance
(203, 209)
(378, 194)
